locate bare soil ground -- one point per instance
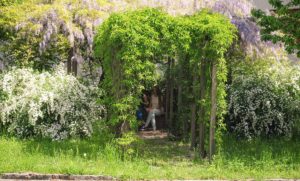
(153, 134)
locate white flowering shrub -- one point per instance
(53, 105)
(264, 100)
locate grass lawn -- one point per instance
(155, 159)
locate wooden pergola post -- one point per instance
(213, 112)
(193, 115)
(171, 106)
(202, 109)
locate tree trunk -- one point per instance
(69, 61)
(193, 126)
(213, 112)
(171, 116)
(167, 104)
(202, 109)
(182, 120)
(74, 67)
(193, 116)
(125, 127)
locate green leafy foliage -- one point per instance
(129, 45)
(127, 144)
(203, 36)
(264, 99)
(282, 26)
(9, 2)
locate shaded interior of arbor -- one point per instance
(170, 105)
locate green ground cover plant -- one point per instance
(153, 159)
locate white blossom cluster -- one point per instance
(264, 103)
(54, 105)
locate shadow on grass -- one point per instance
(164, 149)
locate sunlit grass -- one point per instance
(155, 159)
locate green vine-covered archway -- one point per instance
(129, 44)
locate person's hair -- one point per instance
(157, 90)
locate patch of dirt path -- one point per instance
(158, 134)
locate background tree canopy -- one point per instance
(41, 33)
(283, 25)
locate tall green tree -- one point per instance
(282, 25)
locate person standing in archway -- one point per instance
(154, 109)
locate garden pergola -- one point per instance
(129, 44)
